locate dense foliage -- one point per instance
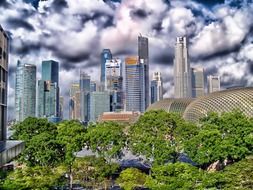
(221, 146)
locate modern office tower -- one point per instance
(182, 71)
(9, 149)
(48, 90)
(198, 85)
(143, 53)
(93, 86)
(61, 107)
(25, 91)
(105, 55)
(156, 89)
(213, 83)
(114, 84)
(74, 104)
(84, 96)
(99, 103)
(135, 100)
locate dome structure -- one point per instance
(177, 105)
(222, 101)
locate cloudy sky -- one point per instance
(74, 32)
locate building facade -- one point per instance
(48, 90)
(114, 84)
(74, 102)
(85, 84)
(25, 91)
(213, 83)
(156, 88)
(182, 71)
(105, 55)
(99, 103)
(198, 84)
(143, 55)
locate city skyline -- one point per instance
(41, 37)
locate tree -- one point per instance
(131, 178)
(152, 136)
(33, 178)
(227, 137)
(107, 139)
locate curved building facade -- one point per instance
(177, 105)
(222, 101)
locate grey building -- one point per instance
(182, 71)
(213, 83)
(85, 86)
(25, 91)
(99, 103)
(198, 85)
(105, 55)
(156, 88)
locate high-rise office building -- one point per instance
(74, 104)
(93, 86)
(182, 71)
(213, 83)
(143, 53)
(114, 84)
(25, 91)
(84, 84)
(61, 107)
(198, 85)
(99, 103)
(105, 55)
(156, 89)
(135, 100)
(8, 149)
(48, 90)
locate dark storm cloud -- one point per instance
(101, 19)
(164, 58)
(70, 58)
(4, 3)
(15, 23)
(157, 26)
(21, 48)
(139, 14)
(210, 2)
(59, 5)
(228, 81)
(250, 66)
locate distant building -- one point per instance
(25, 91)
(85, 84)
(121, 117)
(8, 149)
(114, 84)
(135, 100)
(156, 88)
(105, 55)
(48, 90)
(93, 86)
(198, 85)
(182, 72)
(213, 83)
(74, 104)
(61, 107)
(143, 56)
(99, 103)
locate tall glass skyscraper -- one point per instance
(156, 88)
(25, 91)
(182, 71)
(143, 53)
(198, 85)
(48, 90)
(134, 85)
(114, 84)
(85, 85)
(105, 55)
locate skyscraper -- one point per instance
(25, 91)
(182, 72)
(105, 55)
(48, 90)
(135, 100)
(156, 88)
(74, 104)
(143, 53)
(61, 107)
(114, 84)
(213, 83)
(84, 84)
(198, 85)
(99, 103)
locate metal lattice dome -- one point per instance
(177, 105)
(222, 101)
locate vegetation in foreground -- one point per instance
(220, 147)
